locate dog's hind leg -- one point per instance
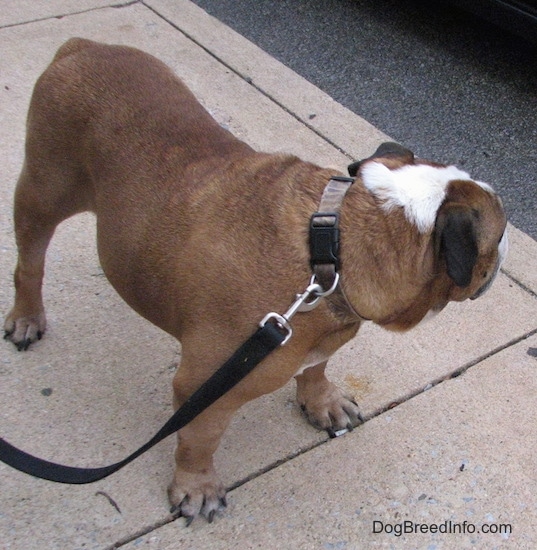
(42, 201)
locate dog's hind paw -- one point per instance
(192, 494)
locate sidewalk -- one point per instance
(436, 450)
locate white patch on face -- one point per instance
(419, 189)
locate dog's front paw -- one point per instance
(192, 494)
(23, 330)
(327, 407)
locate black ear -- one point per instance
(387, 149)
(456, 241)
(354, 167)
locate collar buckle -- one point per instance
(324, 225)
(324, 239)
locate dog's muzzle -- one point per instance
(503, 246)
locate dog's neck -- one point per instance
(387, 265)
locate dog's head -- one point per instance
(464, 217)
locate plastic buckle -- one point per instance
(324, 238)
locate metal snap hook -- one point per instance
(301, 304)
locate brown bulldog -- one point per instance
(203, 236)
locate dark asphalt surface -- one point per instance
(447, 85)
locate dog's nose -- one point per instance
(481, 291)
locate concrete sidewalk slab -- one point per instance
(449, 457)
(110, 371)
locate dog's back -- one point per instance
(140, 111)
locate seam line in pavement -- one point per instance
(454, 374)
(513, 278)
(249, 81)
(124, 4)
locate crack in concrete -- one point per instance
(124, 4)
(520, 284)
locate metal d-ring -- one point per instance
(324, 294)
(301, 304)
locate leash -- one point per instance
(265, 340)
(274, 331)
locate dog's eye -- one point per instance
(485, 275)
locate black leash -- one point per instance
(265, 340)
(274, 331)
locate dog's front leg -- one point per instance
(325, 405)
(196, 488)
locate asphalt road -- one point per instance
(447, 85)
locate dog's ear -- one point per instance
(455, 240)
(387, 149)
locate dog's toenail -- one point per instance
(188, 520)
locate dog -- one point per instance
(202, 235)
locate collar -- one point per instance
(324, 246)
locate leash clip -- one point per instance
(301, 304)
